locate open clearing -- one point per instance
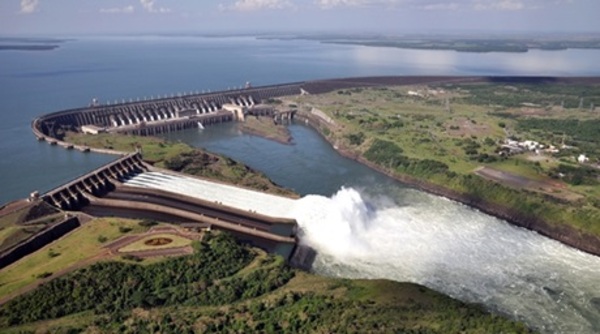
(551, 188)
(155, 242)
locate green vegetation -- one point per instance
(183, 158)
(265, 127)
(582, 134)
(444, 133)
(542, 95)
(82, 244)
(25, 222)
(114, 287)
(230, 288)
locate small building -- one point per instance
(92, 129)
(582, 159)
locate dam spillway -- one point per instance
(244, 199)
(129, 187)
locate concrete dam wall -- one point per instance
(159, 115)
(155, 116)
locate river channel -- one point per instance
(365, 225)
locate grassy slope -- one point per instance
(183, 158)
(23, 223)
(75, 247)
(264, 127)
(424, 128)
(308, 303)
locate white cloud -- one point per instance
(148, 5)
(117, 10)
(499, 5)
(29, 6)
(336, 3)
(252, 5)
(440, 6)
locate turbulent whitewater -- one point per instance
(411, 236)
(456, 250)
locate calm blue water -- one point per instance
(34, 83)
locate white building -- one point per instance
(582, 159)
(92, 129)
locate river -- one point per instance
(361, 223)
(365, 225)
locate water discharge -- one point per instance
(456, 250)
(415, 237)
(375, 227)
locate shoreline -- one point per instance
(564, 234)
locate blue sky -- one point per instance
(383, 16)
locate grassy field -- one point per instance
(155, 150)
(140, 245)
(84, 243)
(442, 134)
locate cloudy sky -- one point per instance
(383, 16)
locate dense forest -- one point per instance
(115, 287)
(228, 287)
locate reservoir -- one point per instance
(366, 225)
(116, 69)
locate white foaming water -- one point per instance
(245, 199)
(432, 241)
(458, 251)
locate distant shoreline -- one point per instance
(30, 44)
(29, 47)
(458, 44)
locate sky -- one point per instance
(76, 17)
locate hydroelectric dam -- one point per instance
(475, 257)
(109, 189)
(130, 187)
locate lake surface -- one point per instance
(117, 68)
(362, 223)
